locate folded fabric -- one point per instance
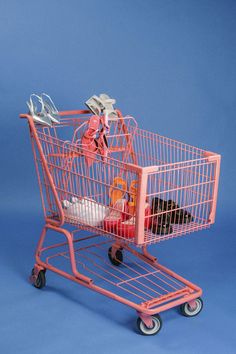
(85, 211)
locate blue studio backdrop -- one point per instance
(170, 64)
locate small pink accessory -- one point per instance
(117, 215)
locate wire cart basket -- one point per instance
(129, 189)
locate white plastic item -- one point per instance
(86, 211)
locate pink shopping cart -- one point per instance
(129, 188)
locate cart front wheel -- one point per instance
(189, 311)
(146, 331)
(40, 281)
(118, 259)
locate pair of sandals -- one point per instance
(94, 140)
(102, 104)
(43, 110)
(121, 219)
(162, 222)
(102, 108)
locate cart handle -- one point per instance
(62, 113)
(48, 174)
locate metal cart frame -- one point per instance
(149, 287)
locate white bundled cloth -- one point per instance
(85, 211)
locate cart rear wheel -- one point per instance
(118, 259)
(188, 311)
(40, 281)
(146, 331)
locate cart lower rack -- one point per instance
(131, 188)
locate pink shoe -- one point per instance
(116, 215)
(126, 228)
(89, 141)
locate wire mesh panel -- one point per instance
(181, 196)
(131, 185)
(145, 189)
(134, 279)
(153, 149)
(83, 191)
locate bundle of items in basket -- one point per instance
(122, 214)
(167, 213)
(119, 217)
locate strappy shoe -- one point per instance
(102, 104)
(50, 108)
(126, 228)
(42, 109)
(89, 142)
(116, 216)
(37, 110)
(117, 190)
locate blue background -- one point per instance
(170, 64)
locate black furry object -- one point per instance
(157, 227)
(161, 217)
(159, 204)
(181, 217)
(178, 216)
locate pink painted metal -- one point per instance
(146, 319)
(166, 172)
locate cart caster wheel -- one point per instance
(187, 311)
(118, 257)
(146, 331)
(40, 281)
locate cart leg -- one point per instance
(148, 255)
(147, 319)
(192, 304)
(35, 272)
(148, 325)
(40, 245)
(192, 308)
(115, 253)
(115, 247)
(41, 265)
